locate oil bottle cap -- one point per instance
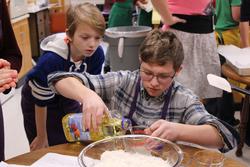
(126, 123)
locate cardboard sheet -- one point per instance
(237, 58)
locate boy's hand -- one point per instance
(93, 110)
(163, 129)
(38, 143)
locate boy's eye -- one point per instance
(85, 38)
(98, 38)
(163, 76)
(148, 73)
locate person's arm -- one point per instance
(93, 105)
(76, 86)
(188, 133)
(196, 115)
(243, 26)
(235, 13)
(195, 134)
(10, 50)
(161, 7)
(244, 23)
(41, 140)
(244, 33)
(196, 121)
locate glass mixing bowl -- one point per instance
(142, 144)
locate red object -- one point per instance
(57, 22)
(73, 127)
(214, 3)
(77, 133)
(138, 131)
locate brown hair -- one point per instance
(161, 47)
(86, 13)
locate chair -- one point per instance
(231, 74)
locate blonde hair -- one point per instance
(84, 13)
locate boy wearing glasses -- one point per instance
(149, 96)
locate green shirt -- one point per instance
(121, 14)
(224, 14)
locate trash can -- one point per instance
(124, 43)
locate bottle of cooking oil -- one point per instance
(110, 126)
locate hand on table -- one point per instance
(38, 143)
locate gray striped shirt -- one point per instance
(117, 90)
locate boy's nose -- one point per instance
(92, 43)
(154, 81)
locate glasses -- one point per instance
(161, 78)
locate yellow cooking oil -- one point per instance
(110, 126)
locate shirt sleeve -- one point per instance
(235, 2)
(104, 85)
(47, 64)
(197, 115)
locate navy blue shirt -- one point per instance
(51, 62)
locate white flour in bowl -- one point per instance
(120, 158)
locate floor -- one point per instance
(16, 142)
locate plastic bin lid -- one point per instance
(127, 31)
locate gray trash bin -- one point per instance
(124, 43)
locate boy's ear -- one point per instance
(67, 34)
(66, 31)
(140, 60)
(179, 70)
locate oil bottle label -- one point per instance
(73, 130)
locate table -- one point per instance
(74, 149)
